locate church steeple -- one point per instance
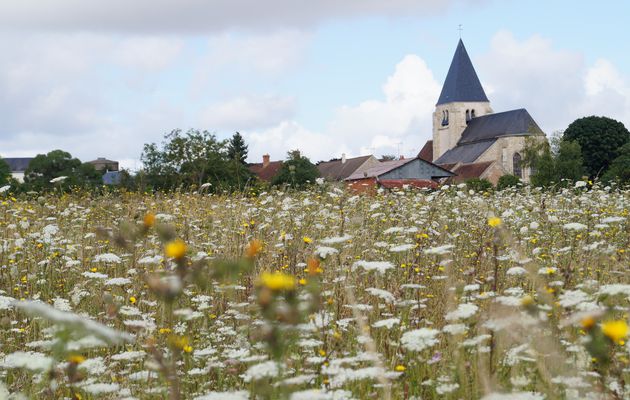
(461, 100)
(462, 83)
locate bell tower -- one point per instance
(462, 99)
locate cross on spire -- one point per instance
(460, 29)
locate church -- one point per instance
(469, 138)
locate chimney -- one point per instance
(343, 158)
(265, 160)
(402, 157)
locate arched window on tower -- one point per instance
(516, 165)
(467, 116)
(445, 118)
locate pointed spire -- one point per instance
(462, 83)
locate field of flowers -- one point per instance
(322, 294)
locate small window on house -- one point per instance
(467, 116)
(516, 165)
(472, 114)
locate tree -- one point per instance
(296, 171)
(5, 172)
(237, 149)
(507, 181)
(554, 162)
(237, 168)
(192, 158)
(600, 139)
(620, 167)
(56, 164)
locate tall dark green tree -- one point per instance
(56, 164)
(5, 172)
(600, 139)
(296, 171)
(239, 173)
(237, 149)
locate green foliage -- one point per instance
(620, 167)
(237, 149)
(193, 158)
(5, 172)
(555, 163)
(296, 171)
(507, 181)
(56, 164)
(600, 139)
(479, 184)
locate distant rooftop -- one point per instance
(18, 164)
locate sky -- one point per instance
(101, 78)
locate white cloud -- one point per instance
(554, 85)
(248, 112)
(401, 120)
(195, 16)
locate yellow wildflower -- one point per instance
(615, 330)
(494, 221)
(277, 281)
(176, 249)
(132, 300)
(302, 281)
(587, 322)
(253, 248)
(149, 219)
(76, 358)
(307, 239)
(400, 368)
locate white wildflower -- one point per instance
(379, 266)
(27, 359)
(463, 311)
(268, 369)
(574, 226)
(58, 179)
(440, 250)
(107, 258)
(419, 339)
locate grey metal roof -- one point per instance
(508, 123)
(465, 153)
(462, 83)
(18, 164)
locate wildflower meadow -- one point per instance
(316, 294)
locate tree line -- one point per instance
(590, 148)
(187, 160)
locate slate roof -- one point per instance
(465, 153)
(336, 170)
(266, 173)
(462, 83)
(507, 123)
(380, 169)
(426, 153)
(18, 164)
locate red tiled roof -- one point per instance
(416, 183)
(426, 153)
(468, 171)
(266, 173)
